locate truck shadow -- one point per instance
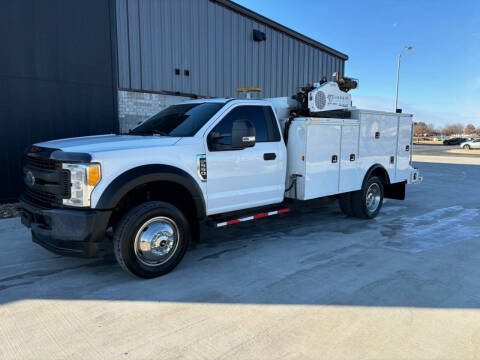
(422, 252)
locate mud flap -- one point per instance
(395, 191)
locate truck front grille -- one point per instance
(43, 197)
(52, 183)
(41, 163)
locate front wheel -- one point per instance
(367, 202)
(466, 147)
(151, 239)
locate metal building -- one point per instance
(209, 48)
(85, 67)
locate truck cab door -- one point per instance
(240, 178)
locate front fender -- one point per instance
(132, 178)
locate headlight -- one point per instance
(84, 178)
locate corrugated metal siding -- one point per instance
(215, 44)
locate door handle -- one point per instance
(334, 159)
(269, 156)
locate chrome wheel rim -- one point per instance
(372, 200)
(156, 241)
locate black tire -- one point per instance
(345, 203)
(160, 214)
(466, 147)
(359, 199)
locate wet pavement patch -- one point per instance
(431, 230)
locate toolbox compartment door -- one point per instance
(351, 176)
(322, 158)
(404, 148)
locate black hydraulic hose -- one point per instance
(294, 183)
(294, 180)
(287, 128)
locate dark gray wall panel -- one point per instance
(57, 77)
(215, 44)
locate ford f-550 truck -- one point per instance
(217, 160)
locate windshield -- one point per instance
(178, 120)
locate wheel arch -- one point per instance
(147, 174)
(379, 171)
(395, 191)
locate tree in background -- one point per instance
(419, 128)
(469, 129)
(456, 129)
(423, 129)
(432, 130)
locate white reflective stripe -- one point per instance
(246, 218)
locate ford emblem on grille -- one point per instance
(34, 149)
(30, 179)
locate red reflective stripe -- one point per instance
(260, 216)
(233, 222)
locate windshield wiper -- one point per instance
(148, 132)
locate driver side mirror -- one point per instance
(243, 134)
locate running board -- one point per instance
(248, 218)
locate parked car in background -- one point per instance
(472, 144)
(455, 141)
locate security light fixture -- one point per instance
(398, 75)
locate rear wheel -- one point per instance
(466, 147)
(345, 203)
(367, 202)
(151, 239)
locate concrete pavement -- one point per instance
(312, 284)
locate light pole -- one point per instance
(398, 74)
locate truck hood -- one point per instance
(100, 143)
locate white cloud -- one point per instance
(438, 118)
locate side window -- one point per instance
(255, 114)
(272, 126)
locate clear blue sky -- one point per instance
(439, 78)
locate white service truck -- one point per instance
(217, 160)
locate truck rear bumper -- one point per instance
(69, 232)
(416, 178)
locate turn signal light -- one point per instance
(94, 175)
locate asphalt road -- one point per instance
(311, 284)
(439, 150)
